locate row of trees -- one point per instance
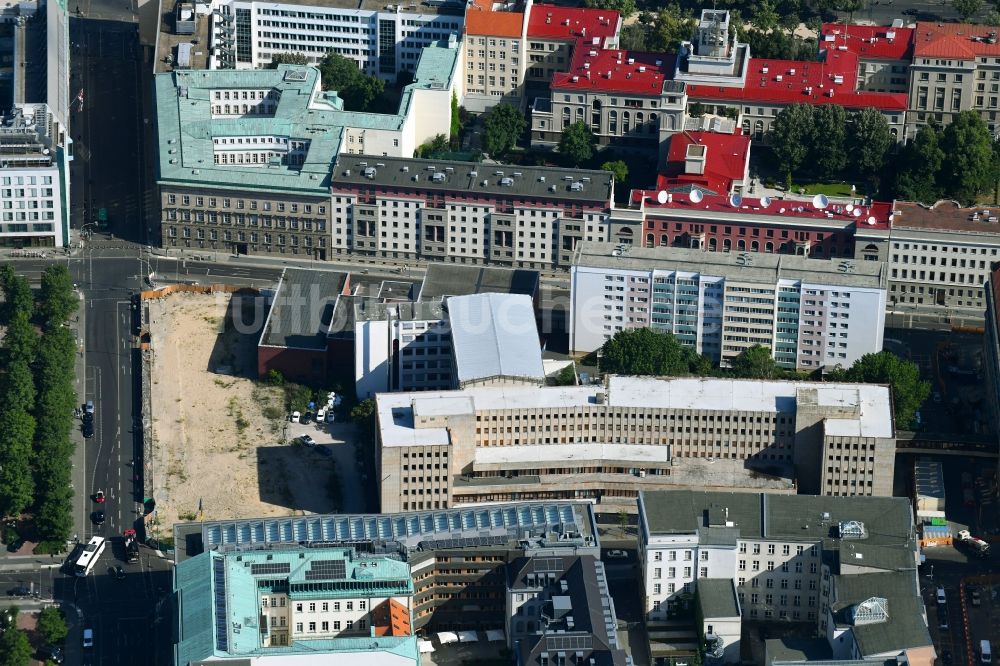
(15, 648)
(37, 401)
(644, 351)
(960, 162)
(829, 139)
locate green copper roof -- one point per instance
(304, 113)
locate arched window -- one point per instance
(664, 240)
(626, 122)
(758, 129)
(653, 124)
(870, 253)
(579, 114)
(613, 122)
(741, 244)
(754, 246)
(565, 117)
(625, 235)
(638, 122)
(769, 247)
(746, 127)
(650, 241)
(597, 105)
(669, 122)
(727, 245)
(711, 244)
(893, 132)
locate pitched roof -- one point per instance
(494, 335)
(572, 23)
(482, 19)
(832, 81)
(614, 70)
(869, 42)
(725, 161)
(963, 41)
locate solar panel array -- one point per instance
(221, 621)
(270, 568)
(469, 542)
(327, 570)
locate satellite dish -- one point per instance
(820, 202)
(781, 210)
(735, 200)
(697, 196)
(850, 207)
(765, 202)
(857, 212)
(661, 196)
(871, 219)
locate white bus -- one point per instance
(88, 558)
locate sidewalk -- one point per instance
(79, 474)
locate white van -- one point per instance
(941, 598)
(985, 652)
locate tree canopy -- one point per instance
(755, 362)
(577, 143)
(791, 135)
(287, 59)
(663, 31)
(967, 8)
(620, 170)
(967, 143)
(624, 7)
(643, 351)
(15, 649)
(52, 625)
(922, 159)
(829, 140)
(908, 391)
(433, 149)
(357, 89)
(870, 141)
(57, 298)
(502, 128)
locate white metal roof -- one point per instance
(495, 335)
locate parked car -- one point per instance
(88, 407)
(51, 653)
(320, 416)
(99, 497)
(295, 417)
(87, 429)
(330, 416)
(97, 517)
(22, 590)
(15, 545)
(88, 638)
(306, 440)
(307, 417)
(118, 573)
(976, 599)
(617, 554)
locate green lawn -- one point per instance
(829, 189)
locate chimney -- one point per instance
(694, 159)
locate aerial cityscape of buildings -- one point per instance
(774, 480)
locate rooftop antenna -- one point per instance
(696, 195)
(820, 201)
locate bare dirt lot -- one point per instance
(221, 438)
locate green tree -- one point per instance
(57, 299)
(968, 147)
(456, 118)
(755, 362)
(15, 650)
(829, 141)
(17, 430)
(620, 170)
(363, 414)
(851, 6)
(671, 27)
(52, 625)
(342, 75)
(565, 377)
(643, 351)
(908, 391)
(287, 59)
(633, 37)
(577, 143)
(502, 129)
(967, 8)
(433, 149)
(870, 141)
(920, 167)
(790, 136)
(764, 15)
(16, 293)
(624, 7)
(623, 520)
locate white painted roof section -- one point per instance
(698, 393)
(568, 452)
(494, 335)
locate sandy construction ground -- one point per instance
(220, 437)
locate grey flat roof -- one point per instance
(370, 310)
(905, 627)
(792, 649)
(443, 280)
(494, 335)
(746, 266)
(303, 308)
(466, 177)
(888, 520)
(717, 598)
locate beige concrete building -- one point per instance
(606, 443)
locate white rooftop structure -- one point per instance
(495, 335)
(396, 411)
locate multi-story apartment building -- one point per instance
(811, 313)
(939, 261)
(487, 444)
(34, 179)
(383, 39)
(462, 212)
(846, 566)
(884, 53)
(254, 177)
(462, 341)
(495, 53)
(457, 560)
(343, 601)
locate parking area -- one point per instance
(333, 443)
(982, 602)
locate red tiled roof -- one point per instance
(572, 23)
(609, 70)
(480, 19)
(726, 161)
(803, 82)
(960, 41)
(785, 208)
(871, 42)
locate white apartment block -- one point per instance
(383, 39)
(811, 313)
(437, 449)
(788, 558)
